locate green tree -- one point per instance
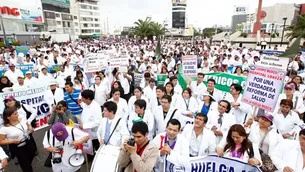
(143, 28)
(157, 29)
(297, 30)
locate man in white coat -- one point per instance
(91, 116)
(221, 120)
(54, 94)
(172, 146)
(141, 113)
(198, 86)
(201, 140)
(113, 129)
(288, 155)
(165, 113)
(217, 94)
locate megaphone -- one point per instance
(77, 159)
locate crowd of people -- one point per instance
(155, 125)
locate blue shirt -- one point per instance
(205, 109)
(72, 105)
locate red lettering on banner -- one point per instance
(42, 121)
(9, 11)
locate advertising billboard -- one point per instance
(63, 3)
(179, 1)
(31, 11)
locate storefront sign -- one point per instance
(9, 11)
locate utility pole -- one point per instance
(283, 32)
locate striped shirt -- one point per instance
(72, 105)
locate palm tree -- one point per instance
(142, 28)
(297, 30)
(157, 29)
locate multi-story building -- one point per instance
(59, 20)
(88, 14)
(22, 21)
(178, 14)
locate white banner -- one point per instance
(119, 61)
(189, 66)
(263, 87)
(275, 62)
(216, 164)
(33, 97)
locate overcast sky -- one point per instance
(200, 13)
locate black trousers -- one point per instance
(25, 155)
(96, 145)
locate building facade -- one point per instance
(22, 22)
(88, 14)
(179, 14)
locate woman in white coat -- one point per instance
(264, 135)
(239, 147)
(121, 103)
(138, 94)
(186, 103)
(291, 94)
(169, 90)
(207, 104)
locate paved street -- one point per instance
(40, 159)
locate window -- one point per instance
(85, 25)
(75, 17)
(49, 15)
(68, 23)
(63, 23)
(95, 19)
(57, 15)
(67, 17)
(83, 6)
(97, 25)
(92, 25)
(75, 24)
(58, 22)
(95, 8)
(76, 30)
(97, 31)
(50, 22)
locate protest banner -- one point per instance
(223, 80)
(92, 63)
(137, 79)
(119, 61)
(161, 78)
(24, 68)
(214, 163)
(274, 62)
(189, 66)
(271, 52)
(263, 87)
(33, 97)
(22, 49)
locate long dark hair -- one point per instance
(172, 91)
(7, 113)
(17, 104)
(245, 145)
(8, 84)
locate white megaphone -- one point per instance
(77, 159)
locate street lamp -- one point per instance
(285, 19)
(4, 34)
(271, 35)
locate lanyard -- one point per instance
(171, 146)
(187, 104)
(23, 131)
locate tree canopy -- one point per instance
(297, 30)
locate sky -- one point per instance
(200, 13)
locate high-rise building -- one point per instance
(88, 13)
(178, 14)
(59, 20)
(22, 21)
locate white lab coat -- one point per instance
(178, 156)
(58, 96)
(245, 158)
(197, 90)
(161, 123)
(288, 124)
(243, 112)
(148, 118)
(273, 137)
(133, 99)
(91, 118)
(217, 95)
(186, 105)
(227, 121)
(208, 140)
(118, 136)
(178, 89)
(122, 110)
(288, 153)
(297, 100)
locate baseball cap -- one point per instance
(290, 86)
(9, 98)
(28, 72)
(53, 82)
(269, 117)
(59, 131)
